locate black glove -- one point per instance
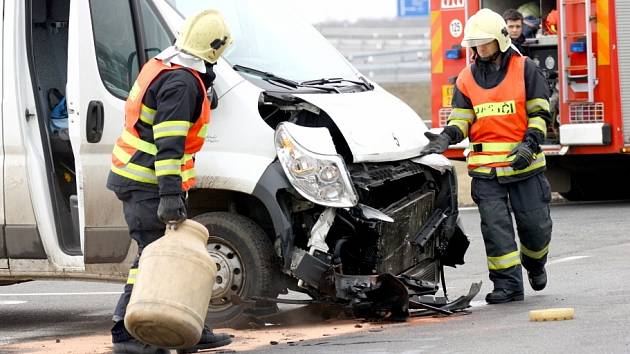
(524, 156)
(438, 143)
(171, 209)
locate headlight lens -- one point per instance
(322, 179)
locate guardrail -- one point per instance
(385, 54)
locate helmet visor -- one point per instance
(470, 43)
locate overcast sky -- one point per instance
(328, 10)
(351, 10)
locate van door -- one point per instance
(107, 43)
(4, 258)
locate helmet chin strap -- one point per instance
(491, 58)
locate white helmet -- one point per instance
(484, 27)
(205, 35)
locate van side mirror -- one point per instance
(213, 97)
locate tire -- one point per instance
(245, 264)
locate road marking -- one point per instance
(14, 302)
(478, 303)
(61, 294)
(567, 259)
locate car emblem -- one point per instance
(396, 140)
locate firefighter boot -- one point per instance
(208, 340)
(500, 296)
(538, 280)
(124, 343)
(134, 346)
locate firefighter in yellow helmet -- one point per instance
(166, 117)
(501, 104)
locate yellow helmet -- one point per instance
(484, 27)
(205, 35)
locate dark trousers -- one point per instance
(529, 200)
(140, 210)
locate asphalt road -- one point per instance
(588, 270)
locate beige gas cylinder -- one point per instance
(170, 298)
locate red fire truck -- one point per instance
(582, 57)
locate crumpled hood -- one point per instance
(376, 125)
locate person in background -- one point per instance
(166, 118)
(514, 20)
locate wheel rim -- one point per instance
(230, 277)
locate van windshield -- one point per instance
(268, 37)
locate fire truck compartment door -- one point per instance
(585, 134)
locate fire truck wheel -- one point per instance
(245, 267)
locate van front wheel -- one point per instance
(245, 264)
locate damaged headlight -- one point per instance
(320, 178)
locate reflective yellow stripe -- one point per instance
(131, 278)
(495, 147)
(534, 254)
(121, 154)
(504, 262)
(138, 143)
(461, 113)
(482, 169)
(168, 167)
(136, 173)
(147, 115)
(539, 161)
(536, 105)
(538, 123)
(171, 128)
(488, 159)
(203, 131)
(462, 125)
(188, 174)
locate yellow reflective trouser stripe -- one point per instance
(536, 105)
(168, 167)
(121, 154)
(495, 147)
(136, 173)
(131, 279)
(203, 131)
(138, 143)
(147, 115)
(503, 262)
(538, 123)
(171, 128)
(534, 254)
(467, 115)
(539, 161)
(462, 125)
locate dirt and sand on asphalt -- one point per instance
(243, 340)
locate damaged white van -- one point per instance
(309, 179)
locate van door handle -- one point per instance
(95, 119)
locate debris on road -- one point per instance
(553, 314)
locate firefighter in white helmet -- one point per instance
(501, 104)
(166, 118)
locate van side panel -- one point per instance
(23, 242)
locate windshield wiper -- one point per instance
(274, 79)
(266, 76)
(337, 80)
